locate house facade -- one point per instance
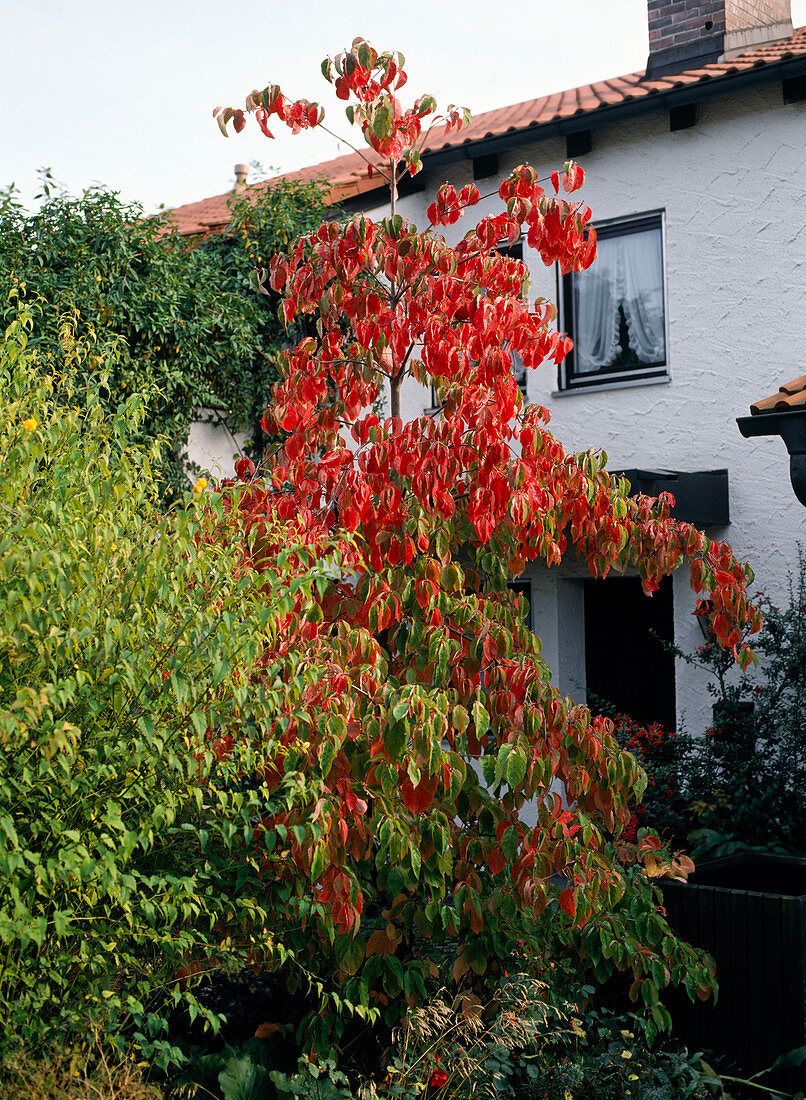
(696, 176)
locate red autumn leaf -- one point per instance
(650, 844)
(496, 861)
(568, 902)
(380, 944)
(265, 1031)
(418, 798)
(244, 468)
(289, 420)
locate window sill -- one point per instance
(622, 384)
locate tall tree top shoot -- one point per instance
(432, 669)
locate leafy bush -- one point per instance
(127, 855)
(183, 325)
(525, 1043)
(743, 783)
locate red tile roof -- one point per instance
(347, 175)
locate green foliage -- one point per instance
(313, 1081)
(242, 1079)
(176, 322)
(635, 931)
(248, 1073)
(127, 855)
(743, 784)
(606, 1057)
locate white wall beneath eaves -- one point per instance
(733, 192)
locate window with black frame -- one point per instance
(615, 312)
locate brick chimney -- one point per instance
(687, 34)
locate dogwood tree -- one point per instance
(397, 786)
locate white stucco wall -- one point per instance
(733, 192)
(212, 446)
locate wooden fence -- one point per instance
(757, 940)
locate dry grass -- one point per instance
(464, 1038)
(69, 1076)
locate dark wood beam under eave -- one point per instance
(578, 143)
(485, 166)
(683, 116)
(794, 89)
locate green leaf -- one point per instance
(61, 922)
(242, 1079)
(481, 719)
(649, 993)
(516, 767)
(510, 843)
(460, 718)
(416, 860)
(327, 756)
(394, 739)
(349, 952)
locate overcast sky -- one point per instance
(121, 92)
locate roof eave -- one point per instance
(608, 115)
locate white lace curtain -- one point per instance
(627, 272)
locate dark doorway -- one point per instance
(627, 669)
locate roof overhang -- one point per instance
(609, 115)
(791, 426)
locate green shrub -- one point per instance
(741, 783)
(179, 319)
(128, 735)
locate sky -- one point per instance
(120, 92)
